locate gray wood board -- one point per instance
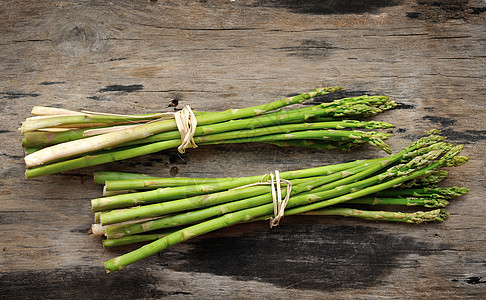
(138, 56)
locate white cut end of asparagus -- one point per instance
(98, 230)
(52, 111)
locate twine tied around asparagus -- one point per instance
(186, 124)
(279, 205)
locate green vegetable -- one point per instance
(333, 190)
(71, 140)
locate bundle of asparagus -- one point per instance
(166, 211)
(57, 140)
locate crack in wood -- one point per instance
(197, 29)
(122, 88)
(11, 155)
(16, 95)
(51, 82)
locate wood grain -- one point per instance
(139, 56)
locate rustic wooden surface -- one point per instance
(138, 56)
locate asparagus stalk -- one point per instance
(52, 111)
(164, 194)
(146, 184)
(337, 184)
(413, 217)
(373, 138)
(386, 216)
(116, 231)
(344, 138)
(407, 201)
(77, 120)
(236, 129)
(427, 192)
(45, 136)
(159, 209)
(98, 159)
(39, 138)
(35, 140)
(361, 106)
(100, 177)
(113, 138)
(447, 160)
(417, 167)
(115, 155)
(250, 214)
(148, 211)
(190, 232)
(80, 151)
(157, 182)
(132, 239)
(343, 107)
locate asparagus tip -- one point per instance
(430, 216)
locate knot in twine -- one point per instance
(186, 124)
(279, 205)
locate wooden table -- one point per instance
(138, 56)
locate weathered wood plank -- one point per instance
(139, 56)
